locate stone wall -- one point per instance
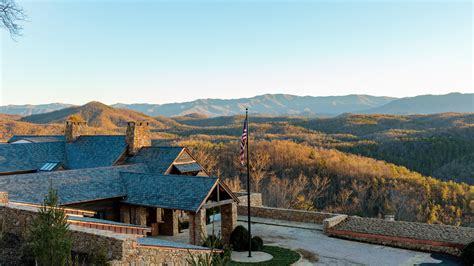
(410, 235)
(120, 249)
(286, 214)
(255, 199)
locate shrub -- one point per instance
(213, 241)
(257, 243)
(239, 239)
(468, 254)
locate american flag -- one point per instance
(243, 140)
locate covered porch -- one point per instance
(169, 202)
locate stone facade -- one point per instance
(131, 214)
(228, 220)
(137, 136)
(3, 197)
(410, 235)
(170, 225)
(120, 249)
(197, 227)
(255, 199)
(286, 214)
(74, 129)
(333, 221)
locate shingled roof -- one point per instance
(37, 138)
(158, 159)
(95, 151)
(73, 186)
(167, 191)
(85, 152)
(29, 156)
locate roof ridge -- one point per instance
(166, 175)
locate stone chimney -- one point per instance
(74, 129)
(3, 197)
(138, 136)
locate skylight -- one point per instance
(48, 166)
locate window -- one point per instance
(48, 166)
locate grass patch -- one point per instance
(281, 256)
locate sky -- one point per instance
(176, 51)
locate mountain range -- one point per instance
(282, 105)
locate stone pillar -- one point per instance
(170, 222)
(125, 214)
(197, 227)
(140, 215)
(228, 220)
(3, 197)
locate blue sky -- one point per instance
(174, 51)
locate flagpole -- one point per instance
(248, 183)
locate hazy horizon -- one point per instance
(253, 96)
(166, 52)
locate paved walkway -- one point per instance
(310, 240)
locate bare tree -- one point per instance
(318, 187)
(258, 167)
(283, 192)
(233, 183)
(10, 16)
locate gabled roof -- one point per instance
(167, 191)
(95, 151)
(37, 138)
(73, 186)
(29, 156)
(188, 167)
(158, 159)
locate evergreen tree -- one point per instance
(50, 241)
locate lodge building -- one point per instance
(120, 182)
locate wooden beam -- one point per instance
(217, 203)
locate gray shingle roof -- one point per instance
(38, 138)
(158, 159)
(167, 191)
(85, 152)
(94, 151)
(188, 167)
(29, 156)
(73, 186)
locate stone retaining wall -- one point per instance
(120, 249)
(410, 235)
(255, 198)
(286, 214)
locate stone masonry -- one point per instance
(131, 214)
(197, 227)
(411, 235)
(120, 249)
(170, 222)
(137, 136)
(286, 214)
(255, 199)
(228, 220)
(74, 129)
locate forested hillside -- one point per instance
(368, 165)
(292, 175)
